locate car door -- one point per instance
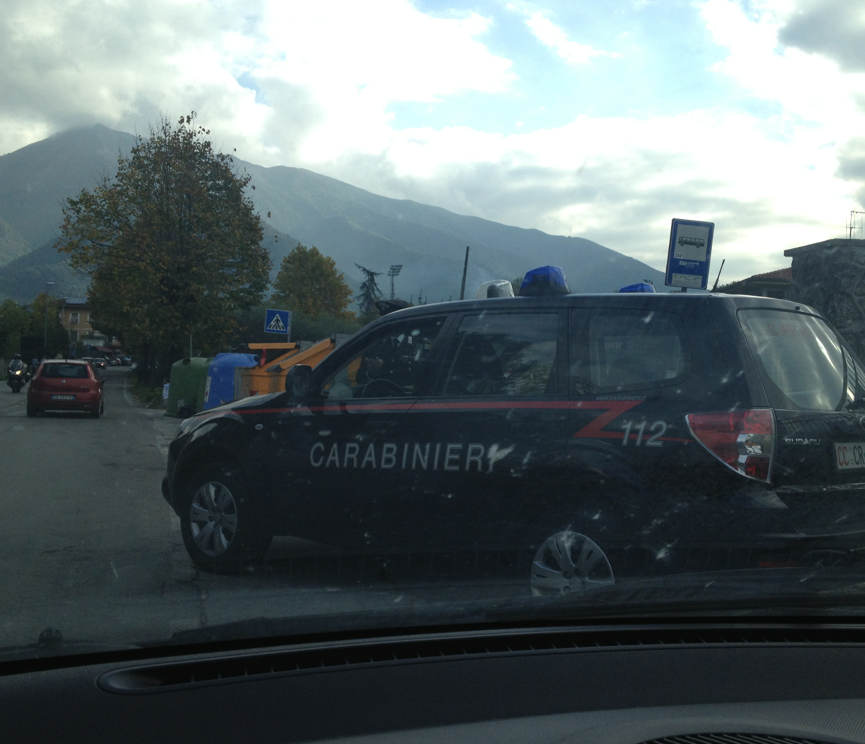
(633, 377)
(495, 429)
(350, 445)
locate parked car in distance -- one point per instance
(100, 363)
(66, 385)
(125, 360)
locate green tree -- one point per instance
(45, 335)
(14, 323)
(308, 283)
(368, 295)
(172, 245)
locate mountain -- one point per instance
(25, 277)
(354, 226)
(36, 180)
(349, 224)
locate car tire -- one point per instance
(569, 562)
(218, 522)
(98, 411)
(31, 410)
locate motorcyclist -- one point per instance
(17, 374)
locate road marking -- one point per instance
(126, 395)
(162, 446)
(162, 442)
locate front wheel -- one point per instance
(218, 523)
(569, 562)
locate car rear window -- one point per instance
(74, 371)
(618, 350)
(800, 359)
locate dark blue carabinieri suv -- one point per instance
(614, 436)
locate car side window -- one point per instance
(616, 350)
(504, 354)
(391, 365)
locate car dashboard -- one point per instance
(693, 681)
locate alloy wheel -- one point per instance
(569, 562)
(213, 518)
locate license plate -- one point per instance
(62, 397)
(850, 455)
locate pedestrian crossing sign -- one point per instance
(277, 321)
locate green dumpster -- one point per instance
(187, 386)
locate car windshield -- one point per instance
(350, 317)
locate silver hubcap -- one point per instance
(569, 562)
(213, 518)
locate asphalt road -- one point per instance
(89, 546)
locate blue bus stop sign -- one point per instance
(689, 254)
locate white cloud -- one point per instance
(313, 84)
(551, 35)
(808, 86)
(330, 68)
(619, 181)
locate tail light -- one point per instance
(742, 440)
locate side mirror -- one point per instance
(298, 381)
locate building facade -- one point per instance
(75, 318)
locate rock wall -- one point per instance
(830, 277)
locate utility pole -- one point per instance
(465, 271)
(45, 334)
(394, 271)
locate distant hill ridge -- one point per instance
(351, 225)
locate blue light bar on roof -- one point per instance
(639, 287)
(544, 281)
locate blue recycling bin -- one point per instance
(220, 378)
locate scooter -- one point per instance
(17, 376)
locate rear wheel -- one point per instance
(98, 411)
(569, 562)
(31, 409)
(218, 523)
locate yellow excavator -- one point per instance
(269, 376)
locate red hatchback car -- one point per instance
(65, 385)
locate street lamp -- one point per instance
(394, 271)
(45, 334)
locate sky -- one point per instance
(602, 120)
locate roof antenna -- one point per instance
(715, 285)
